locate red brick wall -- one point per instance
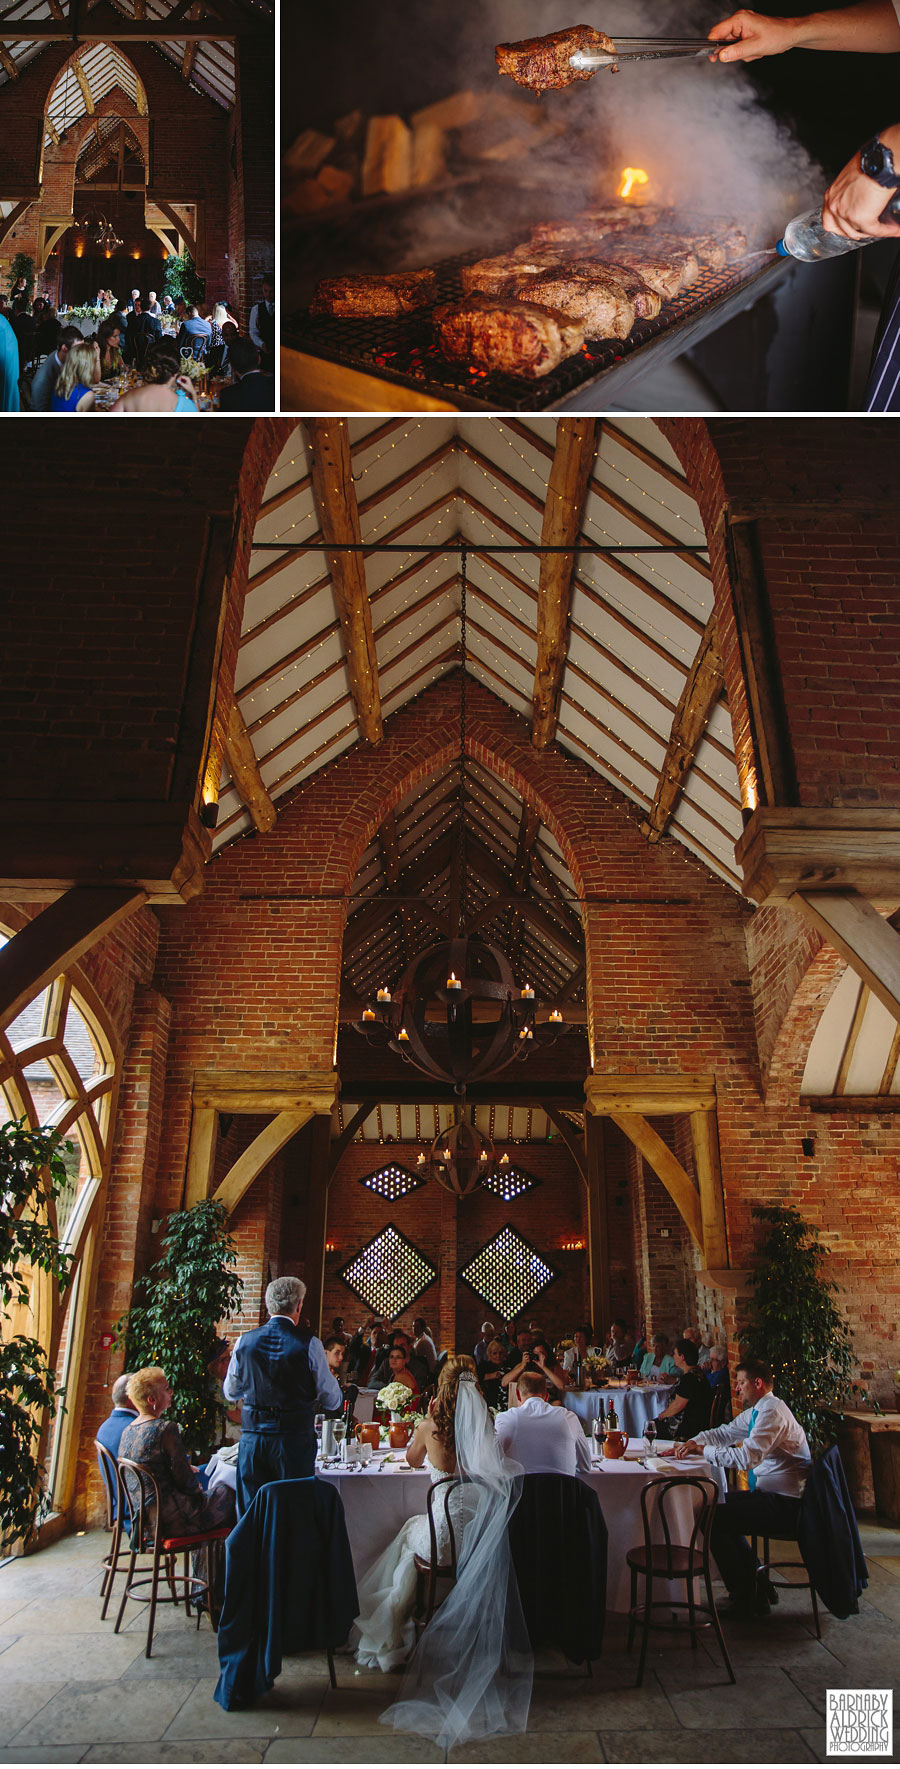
(825, 499)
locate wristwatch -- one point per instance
(877, 162)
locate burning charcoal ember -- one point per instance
(370, 297)
(387, 165)
(582, 293)
(543, 63)
(506, 336)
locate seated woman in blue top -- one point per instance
(659, 1361)
(164, 389)
(74, 390)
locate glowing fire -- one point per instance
(633, 178)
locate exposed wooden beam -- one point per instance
(85, 85)
(141, 98)
(7, 62)
(529, 824)
(52, 131)
(188, 59)
(854, 927)
(140, 8)
(666, 1166)
(653, 1096)
(859, 1014)
(699, 695)
(773, 754)
(708, 1168)
(890, 1067)
(130, 30)
(57, 938)
(264, 1147)
(8, 222)
(340, 1144)
(335, 497)
(246, 777)
(201, 1155)
(574, 1143)
(56, 10)
(573, 460)
(854, 1105)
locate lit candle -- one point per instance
(383, 995)
(420, 1160)
(527, 993)
(483, 1155)
(504, 1160)
(556, 1017)
(528, 1032)
(453, 981)
(368, 1013)
(524, 1032)
(402, 1036)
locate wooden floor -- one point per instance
(72, 1691)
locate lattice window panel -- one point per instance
(509, 1182)
(389, 1273)
(508, 1273)
(392, 1182)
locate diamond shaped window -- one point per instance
(508, 1183)
(392, 1181)
(389, 1273)
(508, 1273)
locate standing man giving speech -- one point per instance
(280, 1373)
(857, 197)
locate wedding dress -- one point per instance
(471, 1673)
(384, 1634)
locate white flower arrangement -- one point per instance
(395, 1397)
(97, 313)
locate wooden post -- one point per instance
(201, 1155)
(317, 1218)
(598, 1227)
(705, 1136)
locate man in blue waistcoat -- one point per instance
(280, 1374)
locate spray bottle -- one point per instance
(809, 240)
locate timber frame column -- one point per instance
(317, 1218)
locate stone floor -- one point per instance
(73, 1691)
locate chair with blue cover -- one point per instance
(289, 1587)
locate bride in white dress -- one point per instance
(470, 1675)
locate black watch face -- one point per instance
(877, 163)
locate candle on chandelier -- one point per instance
(403, 1036)
(504, 1160)
(527, 993)
(556, 1017)
(368, 1013)
(383, 995)
(453, 981)
(420, 1159)
(483, 1155)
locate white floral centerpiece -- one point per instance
(396, 1399)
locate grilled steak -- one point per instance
(572, 235)
(669, 273)
(542, 63)
(509, 337)
(493, 276)
(370, 297)
(645, 300)
(583, 292)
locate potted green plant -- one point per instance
(180, 1303)
(32, 1171)
(794, 1323)
(181, 279)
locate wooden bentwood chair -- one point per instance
(118, 1522)
(768, 1566)
(145, 1538)
(670, 1561)
(429, 1571)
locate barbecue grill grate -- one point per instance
(403, 349)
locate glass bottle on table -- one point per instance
(612, 1418)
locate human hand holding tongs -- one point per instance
(647, 49)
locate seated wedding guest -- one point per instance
(688, 1410)
(399, 1370)
(517, 1359)
(153, 306)
(251, 390)
(659, 1361)
(168, 305)
(194, 334)
(361, 1353)
(771, 1445)
(9, 367)
(47, 375)
(141, 333)
(164, 389)
(490, 1372)
(335, 1349)
(135, 297)
(619, 1346)
(280, 1373)
(640, 1345)
(417, 1365)
(544, 1356)
(423, 1344)
(545, 1439)
(716, 1371)
(579, 1349)
(487, 1334)
(230, 331)
(124, 1412)
(23, 325)
(695, 1335)
(109, 337)
(46, 328)
(79, 375)
(384, 1634)
(155, 1442)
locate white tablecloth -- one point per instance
(634, 1406)
(377, 1504)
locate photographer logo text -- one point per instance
(859, 1723)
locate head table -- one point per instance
(381, 1494)
(634, 1406)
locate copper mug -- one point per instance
(399, 1434)
(369, 1434)
(615, 1443)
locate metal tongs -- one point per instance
(647, 49)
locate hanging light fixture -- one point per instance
(457, 1013)
(98, 230)
(459, 1158)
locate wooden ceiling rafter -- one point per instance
(702, 692)
(85, 85)
(339, 521)
(570, 472)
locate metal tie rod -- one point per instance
(467, 546)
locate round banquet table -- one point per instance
(380, 1497)
(634, 1406)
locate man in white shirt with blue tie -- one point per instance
(770, 1445)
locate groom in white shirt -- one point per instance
(545, 1439)
(770, 1445)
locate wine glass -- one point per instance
(319, 1422)
(650, 1434)
(340, 1432)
